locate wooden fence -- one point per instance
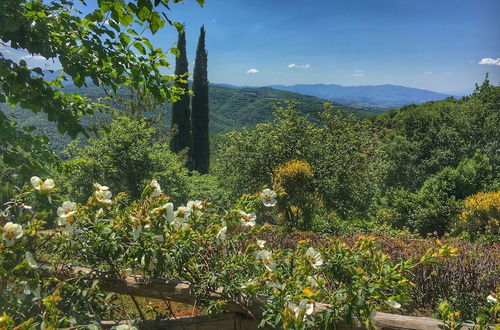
(241, 314)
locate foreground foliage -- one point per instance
(210, 250)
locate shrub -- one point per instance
(295, 179)
(480, 215)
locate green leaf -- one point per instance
(126, 19)
(140, 48)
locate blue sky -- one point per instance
(428, 44)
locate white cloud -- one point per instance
(214, 20)
(34, 57)
(297, 66)
(490, 61)
(428, 73)
(252, 71)
(358, 74)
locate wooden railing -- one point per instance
(242, 313)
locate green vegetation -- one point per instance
(199, 116)
(424, 179)
(180, 132)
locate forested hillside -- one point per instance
(230, 109)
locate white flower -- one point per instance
(248, 219)
(124, 327)
(169, 213)
(221, 235)
(103, 196)
(195, 207)
(491, 299)
(314, 257)
(267, 260)
(156, 188)
(30, 260)
(182, 213)
(99, 187)
(12, 231)
(393, 303)
(148, 263)
(268, 197)
(304, 307)
(65, 214)
(168, 209)
(44, 187)
(136, 227)
(312, 281)
(261, 243)
(20, 290)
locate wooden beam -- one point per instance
(227, 321)
(180, 291)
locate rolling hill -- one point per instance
(230, 109)
(382, 96)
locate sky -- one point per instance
(439, 45)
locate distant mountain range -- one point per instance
(390, 96)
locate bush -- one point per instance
(434, 207)
(480, 215)
(295, 180)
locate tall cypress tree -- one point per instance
(199, 108)
(181, 115)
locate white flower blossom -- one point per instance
(393, 303)
(167, 209)
(221, 235)
(248, 219)
(491, 299)
(100, 187)
(312, 281)
(156, 189)
(136, 227)
(12, 232)
(66, 214)
(30, 260)
(20, 290)
(267, 260)
(195, 207)
(102, 194)
(268, 197)
(304, 307)
(148, 263)
(124, 327)
(314, 257)
(44, 187)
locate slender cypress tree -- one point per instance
(199, 108)
(181, 114)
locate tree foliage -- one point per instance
(105, 47)
(199, 108)
(180, 133)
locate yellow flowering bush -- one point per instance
(481, 214)
(295, 180)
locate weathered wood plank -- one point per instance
(227, 321)
(162, 288)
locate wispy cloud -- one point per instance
(252, 71)
(428, 73)
(298, 66)
(490, 61)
